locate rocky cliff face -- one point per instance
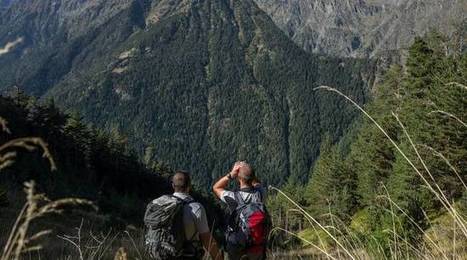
(362, 28)
(45, 19)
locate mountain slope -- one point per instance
(197, 84)
(363, 28)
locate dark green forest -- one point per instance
(364, 183)
(90, 164)
(203, 87)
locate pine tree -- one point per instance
(330, 187)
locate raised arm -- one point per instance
(221, 184)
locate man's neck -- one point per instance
(245, 186)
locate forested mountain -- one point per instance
(363, 28)
(196, 84)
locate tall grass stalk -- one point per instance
(457, 84)
(449, 115)
(448, 163)
(417, 226)
(37, 206)
(443, 198)
(7, 156)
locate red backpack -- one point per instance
(249, 226)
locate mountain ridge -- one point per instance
(197, 85)
(364, 28)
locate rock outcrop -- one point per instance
(363, 28)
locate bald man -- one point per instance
(250, 191)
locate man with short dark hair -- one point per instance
(250, 192)
(194, 217)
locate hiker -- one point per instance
(177, 225)
(249, 222)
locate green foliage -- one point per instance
(428, 95)
(91, 164)
(331, 188)
(281, 209)
(317, 237)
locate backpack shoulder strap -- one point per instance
(260, 193)
(183, 201)
(239, 198)
(252, 191)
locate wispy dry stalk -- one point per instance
(314, 221)
(28, 143)
(97, 244)
(75, 240)
(416, 225)
(355, 239)
(313, 226)
(110, 242)
(464, 87)
(440, 155)
(36, 206)
(449, 115)
(134, 244)
(393, 225)
(440, 194)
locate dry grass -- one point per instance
(8, 153)
(37, 204)
(121, 254)
(86, 245)
(449, 115)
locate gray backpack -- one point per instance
(165, 236)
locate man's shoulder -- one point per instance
(195, 204)
(196, 208)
